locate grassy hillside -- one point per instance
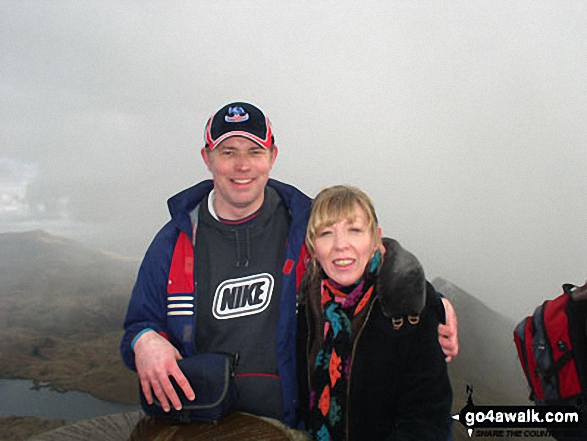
(18, 428)
(57, 286)
(92, 365)
(61, 310)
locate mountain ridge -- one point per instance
(57, 285)
(485, 343)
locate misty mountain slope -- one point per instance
(56, 285)
(487, 357)
(62, 305)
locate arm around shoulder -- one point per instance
(447, 322)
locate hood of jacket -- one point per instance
(401, 283)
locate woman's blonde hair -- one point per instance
(337, 203)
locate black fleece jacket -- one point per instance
(399, 387)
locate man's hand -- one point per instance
(447, 334)
(156, 361)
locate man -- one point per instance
(237, 291)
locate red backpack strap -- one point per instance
(556, 324)
(529, 331)
(181, 273)
(522, 330)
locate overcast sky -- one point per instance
(464, 120)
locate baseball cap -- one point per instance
(239, 119)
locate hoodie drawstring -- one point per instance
(244, 261)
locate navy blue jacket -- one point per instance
(163, 271)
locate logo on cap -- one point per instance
(236, 115)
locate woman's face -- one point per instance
(345, 248)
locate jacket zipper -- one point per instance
(348, 385)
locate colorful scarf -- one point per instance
(328, 397)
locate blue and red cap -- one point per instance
(239, 119)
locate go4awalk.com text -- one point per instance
(523, 421)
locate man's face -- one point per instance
(240, 170)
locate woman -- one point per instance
(375, 369)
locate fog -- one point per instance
(463, 120)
